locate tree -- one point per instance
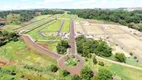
(130, 25)
(65, 73)
(62, 47)
(76, 77)
(101, 63)
(13, 18)
(94, 59)
(103, 49)
(53, 68)
(120, 57)
(103, 74)
(140, 27)
(86, 73)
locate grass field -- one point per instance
(53, 28)
(49, 45)
(37, 36)
(17, 51)
(10, 27)
(119, 71)
(40, 17)
(66, 26)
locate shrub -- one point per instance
(101, 63)
(94, 60)
(53, 68)
(86, 73)
(120, 57)
(76, 77)
(104, 74)
(65, 73)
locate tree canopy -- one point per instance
(120, 57)
(104, 74)
(87, 46)
(62, 47)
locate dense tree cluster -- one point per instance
(26, 15)
(6, 37)
(13, 18)
(54, 68)
(104, 74)
(65, 73)
(120, 57)
(117, 16)
(62, 47)
(86, 73)
(87, 46)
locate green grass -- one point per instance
(71, 62)
(16, 53)
(37, 36)
(50, 45)
(125, 73)
(10, 27)
(53, 28)
(66, 26)
(133, 62)
(40, 17)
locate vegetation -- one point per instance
(62, 47)
(13, 19)
(76, 77)
(53, 68)
(87, 46)
(6, 37)
(103, 74)
(65, 73)
(86, 73)
(120, 57)
(26, 15)
(71, 62)
(117, 16)
(101, 63)
(94, 60)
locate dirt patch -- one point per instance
(2, 63)
(43, 45)
(27, 48)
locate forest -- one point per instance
(26, 15)
(118, 16)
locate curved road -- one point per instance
(72, 52)
(31, 43)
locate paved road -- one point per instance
(72, 51)
(84, 30)
(72, 42)
(31, 43)
(59, 31)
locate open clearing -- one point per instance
(78, 28)
(10, 27)
(132, 43)
(93, 29)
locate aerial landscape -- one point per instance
(71, 40)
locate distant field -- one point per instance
(37, 36)
(40, 17)
(10, 27)
(66, 26)
(53, 28)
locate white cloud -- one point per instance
(85, 4)
(53, 1)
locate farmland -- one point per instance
(36, 51)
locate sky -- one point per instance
(67, 4)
